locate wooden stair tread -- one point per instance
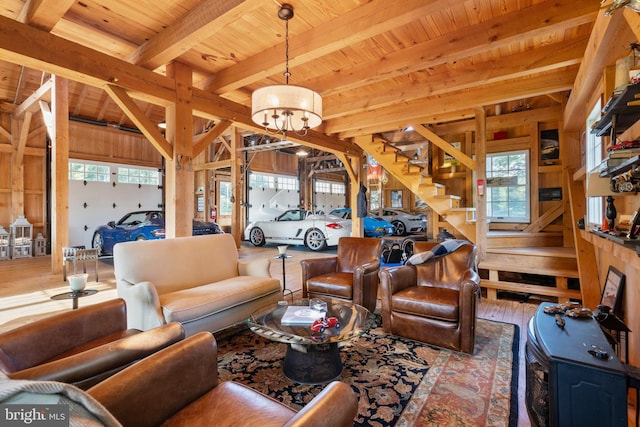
(531, 289)
(543, 251)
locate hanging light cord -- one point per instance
(287, 74)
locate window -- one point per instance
(396, 198)
(374, 200)
(338, 188)
(225, 198)
(508, 187)
(323, 187)
(594, 157)
(262, 181)
(286, 183)
(88, 172)
(138, 176)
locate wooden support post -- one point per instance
(236, 183)
(179, 193)
(492, 293)
(481, 174)
(59, 171)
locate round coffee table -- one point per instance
(312, 357)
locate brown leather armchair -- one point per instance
(352, 275)
(179, 386)
(80, 347)
(434, 302)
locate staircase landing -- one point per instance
(519, 269)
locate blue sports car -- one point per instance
(374, 226)
(140, 225)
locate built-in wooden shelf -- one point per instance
(619, 247)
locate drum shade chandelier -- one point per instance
(284, 108)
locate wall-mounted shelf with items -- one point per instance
(625, 177)
(621, 112)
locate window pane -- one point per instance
(508, 186)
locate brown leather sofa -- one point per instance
(352, 275)
(434, 302)
(179, 386)
(80, 347)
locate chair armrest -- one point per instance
(154, 389)
(44, 339)
(103, 360)
(336, 403)
(395, 279)
(255, 267)
(369, 267)
(315, 267)
(143, 304)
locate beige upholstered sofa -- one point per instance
(197, 281)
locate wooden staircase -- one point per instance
(410, 174)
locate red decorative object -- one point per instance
(500, 135)
(324, 323)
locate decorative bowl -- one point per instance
(77, 282)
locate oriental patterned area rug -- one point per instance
(399, 381)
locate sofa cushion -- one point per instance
(206, 300)
(173, 264)
(426, 301)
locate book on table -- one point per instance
(300, 315)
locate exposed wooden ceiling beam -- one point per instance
(422, 110)
(465, 76)
(364, 22)
(46, 52)
(44, 14)
(200, 23)
(492, 34)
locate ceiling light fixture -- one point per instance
(283, 108)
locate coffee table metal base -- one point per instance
(312, 364)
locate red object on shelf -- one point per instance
(500, 135)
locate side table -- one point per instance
(284, 257)
(74, 296)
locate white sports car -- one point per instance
(297, 227)
(405, 222)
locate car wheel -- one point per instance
(141, 237)
(401, 230)
(315, 240)
(256, 237)
(97, 243)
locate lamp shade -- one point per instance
(286, 107)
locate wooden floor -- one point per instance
(27, 285)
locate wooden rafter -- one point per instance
(508, 67)
(423, 110)
(199, 24)
(44, 14)
(347, 29)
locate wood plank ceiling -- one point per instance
(379, 65)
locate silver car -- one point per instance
(299, 227)
(405, 222)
